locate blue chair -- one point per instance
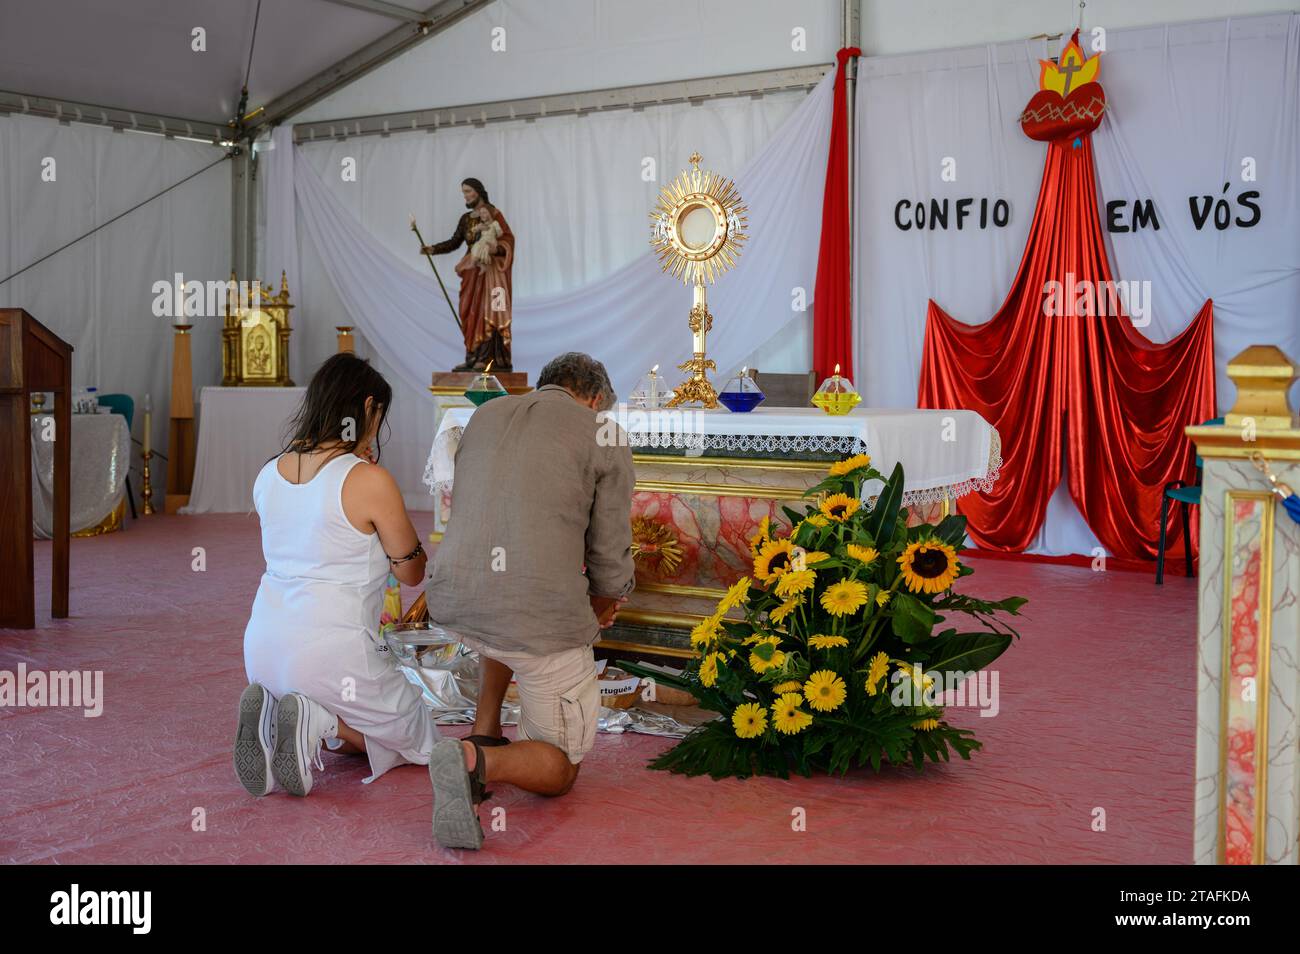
(123, 404)
(1186, 497)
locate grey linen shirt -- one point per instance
(537, 496)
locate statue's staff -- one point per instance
(416, 229)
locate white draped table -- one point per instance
(101, 456)
(240, 429)
(945, 454)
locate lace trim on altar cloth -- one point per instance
(768, 443)
(762, 442)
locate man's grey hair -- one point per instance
(582, 374)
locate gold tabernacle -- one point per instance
(255, 337)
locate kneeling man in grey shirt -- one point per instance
(535, 562)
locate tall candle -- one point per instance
(148, 422)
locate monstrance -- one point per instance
(697, 229)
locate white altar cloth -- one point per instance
(944, 453)
(101, 456)
(240, 429)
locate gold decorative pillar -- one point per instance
(1248, 638)
(347, 343)
(180, 434)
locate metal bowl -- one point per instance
(422, 645)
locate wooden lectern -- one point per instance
(32, 358)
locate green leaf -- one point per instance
(952, 530)
(965, 652)
(885, 513)
(913, 620)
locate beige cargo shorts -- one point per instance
(559, 699)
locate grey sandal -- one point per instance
(455, 813)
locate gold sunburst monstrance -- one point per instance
(697, 229)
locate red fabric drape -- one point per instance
(832, 323)
(1092, 382)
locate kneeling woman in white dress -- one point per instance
(333, 523)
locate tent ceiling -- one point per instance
(135, 54)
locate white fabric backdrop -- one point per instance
(98, 294)
(1185, 103)
(573, 192)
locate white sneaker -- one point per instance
(255, 740)
(301, 726)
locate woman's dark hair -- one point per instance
(334, 407)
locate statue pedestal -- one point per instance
(1248, 639)
(448, 383)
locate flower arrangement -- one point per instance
(826, 656)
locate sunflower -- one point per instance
(815, 556)
(735, 595)
(827, 642)
(787, 717)
(709, 668)
(849, 465)
(749, 719)
(706, 631)
(773, 559)
(926, 725)
(877, 671)
(779, 614)
(795, 582)
(764, 534)
(824, 690)
(792, 685)
(816, 520)
(864, 555)
(761, 665)
(844, 597)
(839, 507)
(929, 566)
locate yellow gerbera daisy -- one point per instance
(877, 671)
(920, 678)
(779, 614)
(735, 595)
(792, 685)
(706, 631)
(787, 717)
(926, 725)
(773, 559)
(795, 581)
(816, 520)
(864, 555)
(762, 536)
(882, 597)
(849, 465)
(839, 507)
(827, 642)
(761, 665)
(844, 597)
(929, 566)
(749, 720)
(815, 556)
(709, 668)
(824, 690)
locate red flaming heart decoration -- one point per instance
(1069, 102)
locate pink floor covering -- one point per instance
(1097, 705)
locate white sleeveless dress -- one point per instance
(315, 619)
